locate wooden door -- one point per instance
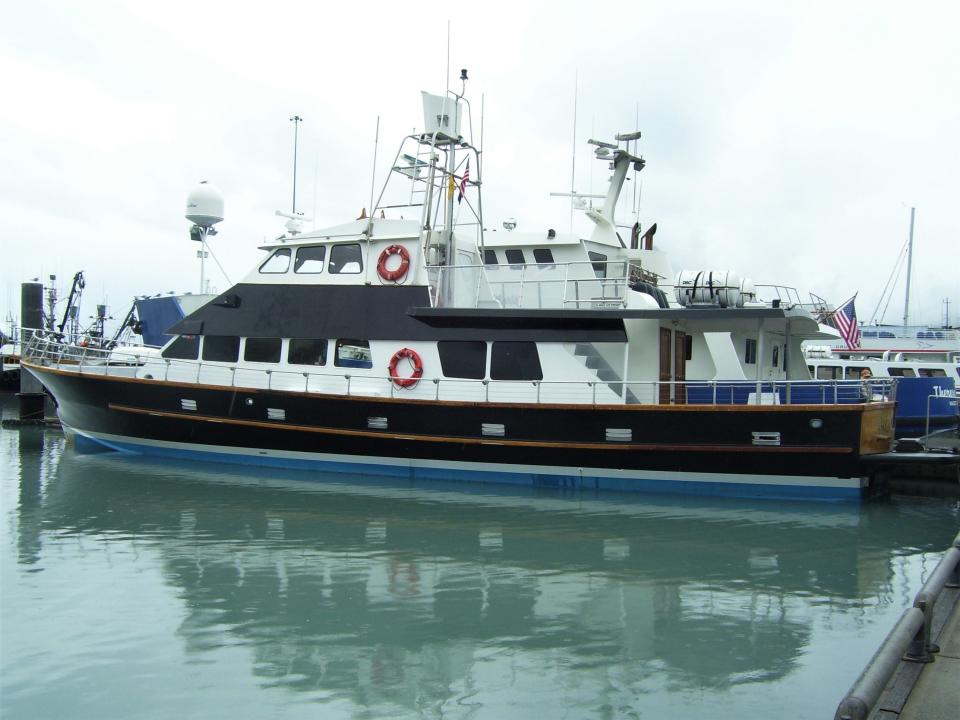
(665, 366)
(680, 367)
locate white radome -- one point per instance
(204, 205)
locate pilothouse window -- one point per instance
(310, 259)
(221, 348)
(515, 257)
(185, 347)
(543, 256)
(279, 262)
(346, 259)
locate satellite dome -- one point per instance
(204, 205)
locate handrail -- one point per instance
(909, 640)
(507, 283)
(949, 398)
(87, 360)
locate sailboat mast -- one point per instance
(906, 301)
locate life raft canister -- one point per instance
(401, 271)
(414, 358)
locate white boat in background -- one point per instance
(926, 361)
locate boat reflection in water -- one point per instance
(400, 599)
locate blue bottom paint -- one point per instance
(575, 482)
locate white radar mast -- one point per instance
(204, 210)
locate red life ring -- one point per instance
(414, 358)
(393, 275)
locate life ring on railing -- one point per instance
(414, 358)
(398, 274)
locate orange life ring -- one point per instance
(393, 275)
(414, 358)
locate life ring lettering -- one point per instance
(399, 273)
(415, 361)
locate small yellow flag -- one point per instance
(451, 188)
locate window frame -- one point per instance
(218, 348)
(275, 254)
(298, 263)
(336, 269)
(256, 341)
(294, 343)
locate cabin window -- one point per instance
(310, 259)
(221, 348)
(543, 256)
(265, 350)
(346, 259)
(931, 372)
(688, 346)
(750, 352)
(489, 257)
(515, 257)
(279, 262)
(353, 353)
(515, 361)
(463, 358)
(307, 351)
(901, 372)
(185, 347)
(853, 372)
(599, 261)
(829, 372)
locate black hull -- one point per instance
(696, 446)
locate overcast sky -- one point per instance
(785, 141)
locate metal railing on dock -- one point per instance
(909, 640)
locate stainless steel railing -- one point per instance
(146, 363)
(908, 640)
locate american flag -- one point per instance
(463, 182)
(845, 319)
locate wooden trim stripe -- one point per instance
(845, 408)
(647, 447)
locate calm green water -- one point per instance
(143, 589)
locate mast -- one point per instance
(906, 300)
(296, 120)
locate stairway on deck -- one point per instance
(605, 372)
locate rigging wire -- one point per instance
(891, 283)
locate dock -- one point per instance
(913, 675)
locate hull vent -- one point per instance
(493, 429)
(766, 438)
(276, 414)
(188, 404)
(377, 423)
(619, 434)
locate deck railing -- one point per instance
(581, 284)
(146, 363)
